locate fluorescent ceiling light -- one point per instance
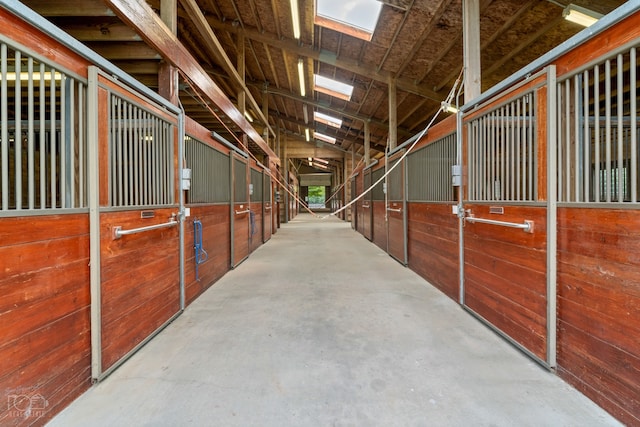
(323, 161)
(357, 18)
(580, 15)
(248, 116)
(325, 138)
(303, 89)
(295, 18)
(332, 87)
(319, 165)
(306, 134)
(327, 120)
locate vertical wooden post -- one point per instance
(393, 114)
(241, 72)
(367, 143)
(167, 74)
(471, 40)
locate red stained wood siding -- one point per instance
(255, 227)
(44, 313)
(505, 274)
(599, 307)
(379, 224)
(215, 240)
(433, 249)
(140, 281)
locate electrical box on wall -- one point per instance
(456, 175)
(186, 179)
(251, 189)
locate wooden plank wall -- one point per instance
(378, 208)
(216, 240)
(140, 281)
(255, 229)
(45, 348)
(599, 307)
(433, 249)
(505, 279)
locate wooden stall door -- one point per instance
(240, 212)
(267, 208)
(367, 208)
(505, 234)
(396, 210)
(138, 287)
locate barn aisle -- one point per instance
(320, 327)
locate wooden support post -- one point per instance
(241, 72)
(167, 74)
(393, 113)
(471, 40)
(367, 143)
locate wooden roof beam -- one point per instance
(149, 25)
(330, 58)
(213, 44)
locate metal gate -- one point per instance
(397, 208)
(134, 206)
(508, 278)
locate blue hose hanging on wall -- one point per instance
(201, 254)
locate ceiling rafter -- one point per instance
(426, 31)
(200, 21)
(329, 58)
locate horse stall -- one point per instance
(598, 221)
(378, 208)
(256, 206)
(207, 230)
(45, 294)
(396, 205)
(366, 205)
(433, 229)
(89, 185)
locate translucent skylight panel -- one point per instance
(325, 138)
(357, 17)
(327, 120)
(332, 87)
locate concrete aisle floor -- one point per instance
(321, 328)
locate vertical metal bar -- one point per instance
(119, 188)
(128, 154)
(552, 218)
(81, 145)
(517, 142)
(93, 168)
(576, 138)
(30, 135)
(156, 160)
(4, 117)
(17, 137)
(54, 137)
(71, 147)
(63, 142)
(586, 146)
(503, 159)
(43, 144)
(559, 140)
(620, 166)
(567, 140)
(492, 156)
(471, 155)
(607, 77)
(511, 150)
(596, 133)
(530, 143)
(144, 164)
(634, 122)
(137, 179)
